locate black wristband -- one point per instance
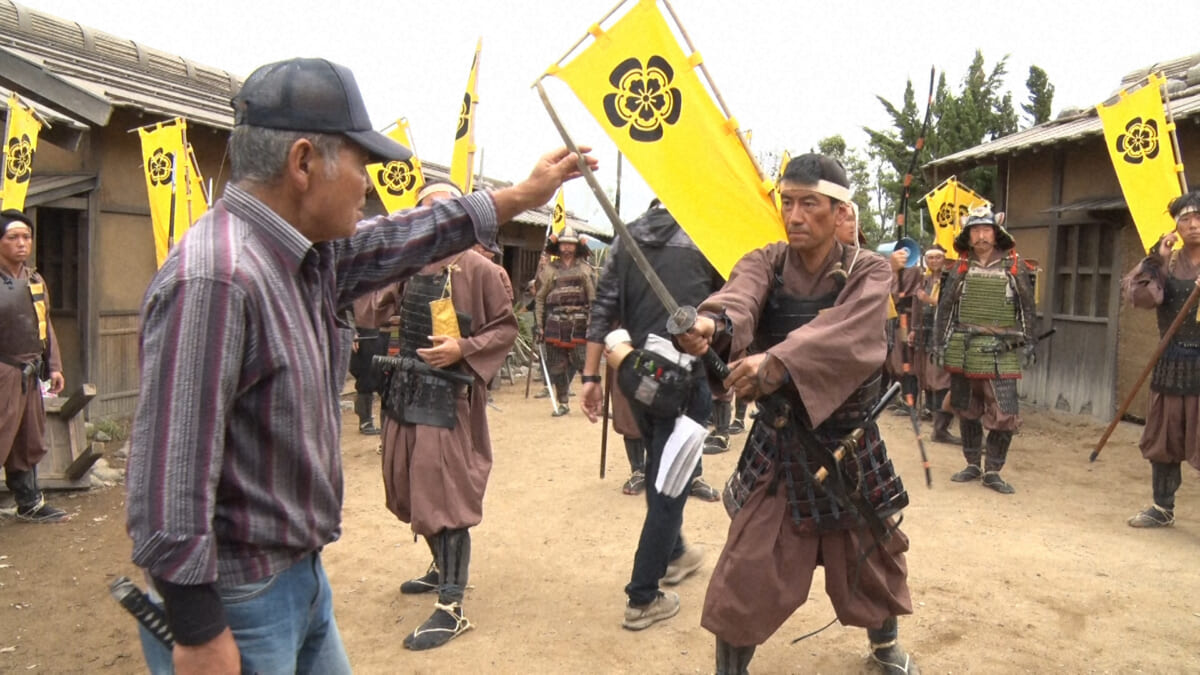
(195, 614)
(589, 378)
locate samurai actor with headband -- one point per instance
(437, 449)
(28, 351)
(1162, 282)
(810, 312)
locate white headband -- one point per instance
(1186, 210)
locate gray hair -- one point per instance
(259, 154)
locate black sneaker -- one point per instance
(702, 490)
(41, 512)
(368, 428)
(716, 443)
(736, 427)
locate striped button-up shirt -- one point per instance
(234, 466)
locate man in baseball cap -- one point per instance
(312, 95)
(235, 472)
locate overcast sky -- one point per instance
(791, 71)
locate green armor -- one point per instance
(978, 346)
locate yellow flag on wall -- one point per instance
(173, 183)
(398, 183)
(558, 219)
(462, 162)
(20, 144)
(644, 91)
(949, 203)
(1137, 135)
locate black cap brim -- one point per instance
(379, 147)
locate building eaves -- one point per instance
(120, 71)
(1183, 77)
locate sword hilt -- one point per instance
(152, 618)
(681, 321)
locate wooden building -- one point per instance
(1065, 209)
(87, 196)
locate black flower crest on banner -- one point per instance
(1140, 141)
(19, 166)
(397, 177)
(558, 214)
(946, 216)
(464, 117)
(162, 165)
(645, 99)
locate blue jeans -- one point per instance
(282, 624)
(660, 541)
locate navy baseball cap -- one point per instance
(312, 95)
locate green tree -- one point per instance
(981, 110)
(1041, 96)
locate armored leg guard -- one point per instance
(366, 421)
(997, 453)
(428, 582)
(560, 382)
(972, 444)
(886, 651)
(733, 660)
(1165, 478)
(718, 440)
(738, 425)
(447, 621)
(997, 449)
(31, 503)
(635, 450)
(941, 428)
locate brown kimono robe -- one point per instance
(435, 478)
(766, 568)
(22, 413)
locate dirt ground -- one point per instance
(1047, 580)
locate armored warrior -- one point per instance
(934, 380)
(28, 352)
(811, 313)
(566, 289)
(1163, 281)
(984, 331)
(437, 451)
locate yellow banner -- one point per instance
(948, 204)
(645, 92)
(21, 137)
(173, 183)
(397, 183)
(1138, 139)
(559, 218)
(783, 162)
(462, 162)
